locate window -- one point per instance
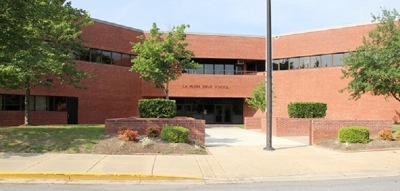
(284, 64)
(1, 102)
(208, 69)
(41, 103)
(326, 60)
(116, 58)
(315, 61)
(239, 69)
(37, 103)
(95, 55)
(275, 64)
(304, 62)
(229, 69)
(106, 57)
(338, 59)
(219, 68)
(126, 60)
(294, 63)
(13, 102)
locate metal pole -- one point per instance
(268, 79)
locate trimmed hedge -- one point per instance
(307, 110)
(354, 134)
(175, 134)
(157, 108)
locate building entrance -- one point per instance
(212, 110)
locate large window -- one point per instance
(326, 60)
(217, 66)
(37, 103)
(338, 59)
(104, 57)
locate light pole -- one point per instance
(268, 79)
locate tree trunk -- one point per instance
(167, 91)
(27, 101)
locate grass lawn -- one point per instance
(52, 138)
(396, 127)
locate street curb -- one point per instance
(91, 176)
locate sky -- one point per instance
(236, 17)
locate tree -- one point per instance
(375, 66)
(163, 57)
(257, 101)
(37, 38)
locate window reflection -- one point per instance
(294, 63)
(326, 60)
(337, 59)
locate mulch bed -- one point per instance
(374, 145)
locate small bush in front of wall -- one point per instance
(398, 136)
(175, 134)
(307, 110)
(157, 108)
(153, 131)
(386, 134)
(146, 142)
(127, 134)
(354, 134)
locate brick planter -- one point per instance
(196, 127)
(322, 129)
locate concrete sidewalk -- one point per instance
(228, 162)
(225, 164)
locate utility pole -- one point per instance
(268, 79)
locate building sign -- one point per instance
(226, 87)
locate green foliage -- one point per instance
(153, 131)
(257, 101)
(126, 134)
(162, 57)
(175, 134)
(36, 41)
(375, 66)
(386, 134)
(157, 108)
(354, 134)
(398, 136)
(307, 110)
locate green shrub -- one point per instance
(386, 134)
(157, 108)
(307, 110)
(175, 134)
(354, 134)
(153, 131)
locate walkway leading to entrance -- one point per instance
(228, 135)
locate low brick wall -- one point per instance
(14, 118)
(323, 129)
(284, 127)
(252, 122)
(196, 126)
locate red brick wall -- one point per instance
(291, 127)
(196, 127)
(102, 35)
(320, 42)
(252, 122)
(223, 86)
(14, 118)
(113, 92)
(322, 129)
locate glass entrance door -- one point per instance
(223, 113)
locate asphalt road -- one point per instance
(386, 183)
